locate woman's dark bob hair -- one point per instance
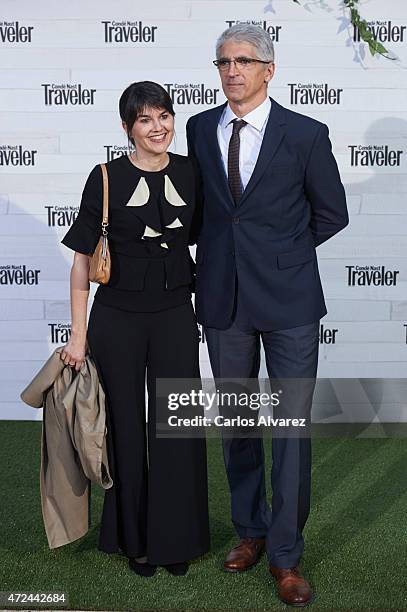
(139, 96)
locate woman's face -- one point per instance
(153, 131)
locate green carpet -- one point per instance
(356, 537)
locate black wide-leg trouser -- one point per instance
(158, 505)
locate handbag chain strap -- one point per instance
(105, 217)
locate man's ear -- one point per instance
(270, 72)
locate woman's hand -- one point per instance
(73, 353)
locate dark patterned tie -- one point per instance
(233, 161)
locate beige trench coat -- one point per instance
(73, 445)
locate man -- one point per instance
(271, 194)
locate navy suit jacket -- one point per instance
(293, 202)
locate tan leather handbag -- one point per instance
(100, 264)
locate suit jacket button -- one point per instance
(236, 220)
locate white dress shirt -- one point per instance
(251, 137)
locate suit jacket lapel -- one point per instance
(273, 136)
(216, 156)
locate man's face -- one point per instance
(242, 85)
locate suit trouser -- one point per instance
(158, 504)
(290, 354)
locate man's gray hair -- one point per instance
(246, 32)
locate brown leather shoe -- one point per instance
(245, 555)
(293, 589)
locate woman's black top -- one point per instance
(152, 217)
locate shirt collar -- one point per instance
(256, 118)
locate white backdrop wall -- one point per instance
(62, 69)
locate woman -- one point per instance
(142, 327)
